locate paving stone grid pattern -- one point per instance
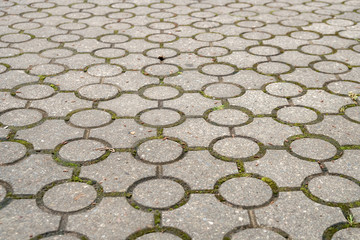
(155, 119)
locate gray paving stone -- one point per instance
(123, 133)
(296, 114)
(192, 104)
(72, 80)
(49, 134)
(258, 102)
(109, 214)
(347, 164)
(236, 147)
(293, 211)
(159, 151)
(29, 175)
(12, 78)
(61, 104)
(196, 132)
(23, 219)
(79, 61)
(322, 101)
(342, 130)
(267, 131)
(117, 172)
(203, 215)
(131, 80)
(190, 80)
(35, 91)
(200, 169)
(284, 169)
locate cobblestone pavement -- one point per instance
(182, 119)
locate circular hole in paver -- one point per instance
(350, 34)
(46, 69)
(264, 50)
(316, 49)
(239, 5)
(353, 113)
(73, 26)
(332, 188)
(305, 35)
(26, 25)
(21, 117)
(82, 150)
(273, 67)
(160, 117)
(330, 67)
(11, 152)
(119, 26)
(69, 197)
(15, 37)
(246, 192)
(313, 148)
(98, 91)
(91, 118)
(340, 22)
(110, 53)
(223, 90)
(257, 234)
(35, 91)
(237, 148)
(212, 51)
(161, 38)
(228, 117)
(161, 69)
(209, 37)
(64, 38)
(105, 70)
(162, 5)
(296, 114)
(350, 233)
(218, 69)
(284, 89)
(162, 25)
(294, 22)
(161, 92)
(158, 193)
(164, 52)
(123, 5)
(250, 24)
(206, 24)
(202, 14)
(42, 5)
(256, 35)
(343, 87)
(9, 52)
(35, 15)
(120, 15)
(160, 151)
(277, 4)
(56, 53)
(112, 38)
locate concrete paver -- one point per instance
(179, 119)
